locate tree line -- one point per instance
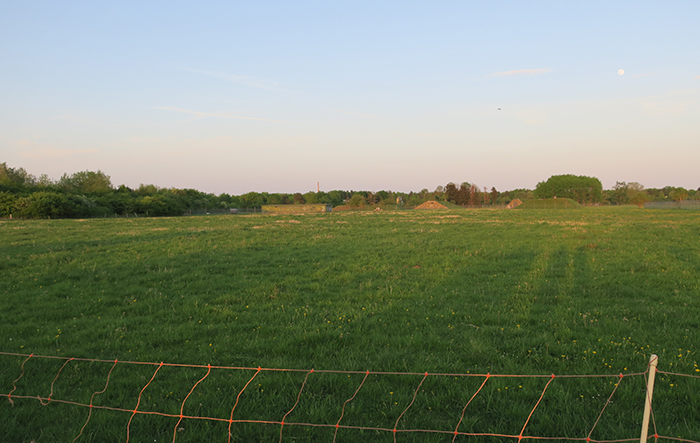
(92, 194)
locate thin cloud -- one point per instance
(240, 79)
(209, 114)
(520, 72)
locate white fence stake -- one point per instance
(653, 360)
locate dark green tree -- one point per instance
(86, 182)
(47, 205)
(619, 193)
(494, 196)
(15, 179)
(322, 197)
(463, 194)
(274, 199)
(474, 195)
(336, 197)
(372, 198)
(357, 200)
(252, 200)
(679, 194)
(640, 199)
(310, 197)
(147, 189)
(580, 188)
(451, 192)
(7, 204)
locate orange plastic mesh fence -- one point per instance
(282, 423)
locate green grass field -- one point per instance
(550, 204)
(591, 291)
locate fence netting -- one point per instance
(130, 401)
(692, 205)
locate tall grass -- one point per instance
(593, 291)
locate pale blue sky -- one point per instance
(277, 96)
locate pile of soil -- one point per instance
(432, 204)
(514, 203)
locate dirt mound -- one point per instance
(514, 203)
(432, 204)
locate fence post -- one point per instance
(653, 361)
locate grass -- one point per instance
(550, 203)
(594, 291)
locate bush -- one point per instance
(159, 205)
(46, 205)
(580, 188)
(357, 200)
(7, 204)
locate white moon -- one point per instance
(621, 72)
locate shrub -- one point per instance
(46, 205)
